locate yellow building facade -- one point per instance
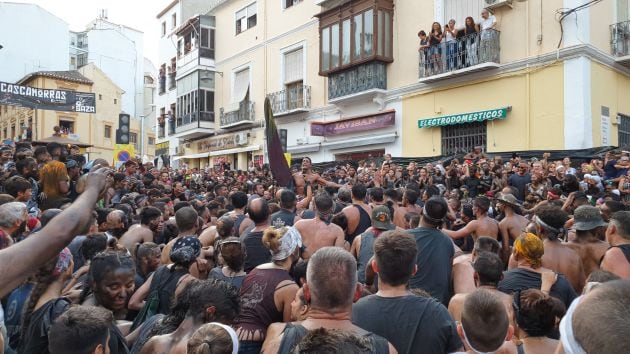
(348, 79)
(95, 129)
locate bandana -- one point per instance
(185, 250)
(288, 243)
(63, 262)
(569, 344)
(561, 231)
(531, 248)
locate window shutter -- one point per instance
(293, 66)
(241, 84)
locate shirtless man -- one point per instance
(617, 258)
(587, 221)
(512, 224)
(463, 271)
(308, 177)
(549, 222)
(186, 220)
(488, 271)
(358, 213)
(408, 206)
(319, 232)
(210, 301)
(150, 218)
(223, 229)
(483, 225)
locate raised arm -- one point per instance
(23, 258)
(463, 232)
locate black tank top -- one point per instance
(282, 217)
(237, 224)
(365, 221)
(626, 251)
(293, 333)
(165, 282)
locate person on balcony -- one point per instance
(435, 40)
(471, 42)
(424, 52)
(451, 45)
(487, 26)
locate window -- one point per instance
(241, 85)
(173, 21)
(246, 18)
(108, 131)
(133, 139)
(151, 140)
(66, 125)
(462, 138)
(294, 66)
(207, 42)
(624, 130)
(115, 101)
(73, 61)
(100, 97)
(163, 29)
(355, 33)
(458, 10)
(289, 3)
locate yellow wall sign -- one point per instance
(287, 156)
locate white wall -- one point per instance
(118, 51)
(33, 40)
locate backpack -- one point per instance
(150, 307)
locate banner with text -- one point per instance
(50, 99)
(499, 113)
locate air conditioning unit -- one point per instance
(493, 4)
(188, 145)
(241, 138)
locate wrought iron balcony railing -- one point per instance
(244, 114)
(293, 98)
(620, 39)
(467, 51)
(357, 79)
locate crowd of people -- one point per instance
(475, 255)
(452, 47)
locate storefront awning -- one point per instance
(358, 142)
(235, 151)
(498, 113)
(192, 156)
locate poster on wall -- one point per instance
(258, 161)
(49, 99)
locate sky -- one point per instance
(137, 14)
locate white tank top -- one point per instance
(449, 37)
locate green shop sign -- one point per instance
(499, 113)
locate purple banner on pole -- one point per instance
(353, 125)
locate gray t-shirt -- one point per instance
(412, 324)
(435, 262)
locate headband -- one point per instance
(232, 334)
(569, 344)
(539, 221)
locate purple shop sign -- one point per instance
(353, 125)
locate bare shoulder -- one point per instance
(273, 338)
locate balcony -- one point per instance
(161, 132)
(194, 125)
(293, 99)
(471, 53)
(190, 59)
(620, 42)
(357, 80)
(244, 115)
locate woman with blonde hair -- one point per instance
(269, 289)
(55, 184)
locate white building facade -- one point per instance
(41, 43)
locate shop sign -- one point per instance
(221, 142)
(353, 125)
(49, 99)
(498, 113)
